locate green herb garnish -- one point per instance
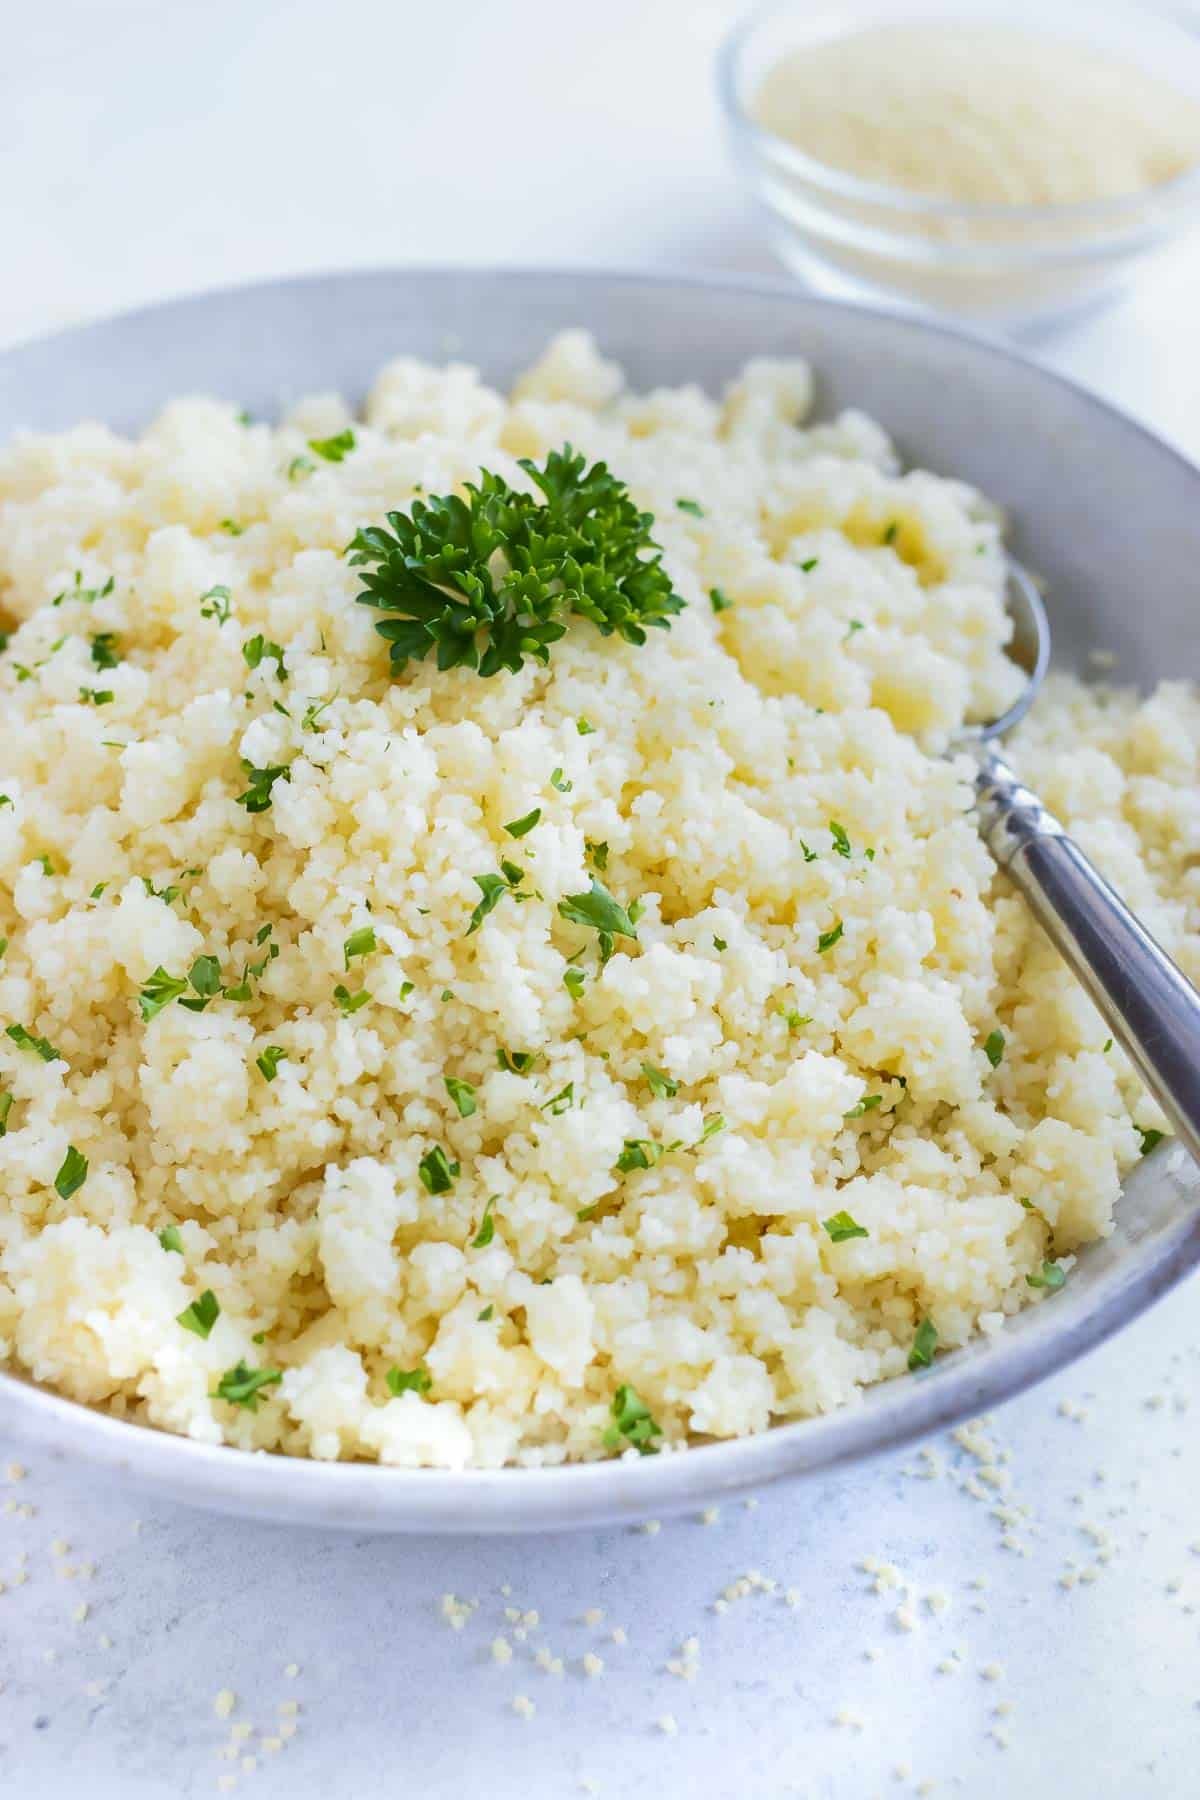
(867, 1104)
(632, 1424)
(257, 797)
(241, 1386)
(1050, 1276)
(841, 842)
(828, 939)
(359, 943)
(639, 1153)
(404, 1381)
(214, 604)
(660, 1084)
(561, 1102)
(519, 828)
(201, 1315)
(438, 1174)
(158, 991)
(841, 1227)
(486, 580)
(350, 1003)
(104, 650)
(259, 649)
(720, 602)
(993, 1048)
(26, 1040)
(170, 1239)
(691, 506)
(1150, 1139)
(72, 1175)
(268, 1063)
(923, 1345)
(462, 1094)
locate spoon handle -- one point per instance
(1150, 1006)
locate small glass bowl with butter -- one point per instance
(1002, 161)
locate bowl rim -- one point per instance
(369, 1496)
(909, 204)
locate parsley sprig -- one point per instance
(486, 580)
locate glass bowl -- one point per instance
(995, 266)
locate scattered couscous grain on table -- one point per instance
(636, 1045)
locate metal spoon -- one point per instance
(1149, 1005)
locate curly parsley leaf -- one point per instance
(437, 1172)
(485, 580)
(487, 1225)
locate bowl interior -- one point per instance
(1107, 514)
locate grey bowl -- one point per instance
(1108, 514)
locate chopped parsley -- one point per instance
(867, 1104)
(300, 465)
(258, 649)
(486, 1313)
(809, 855)
(438, 1174)
(333, 449)
(809, 564)
(1050, 1276)
(492, 888)
(892, 532)
(993, 1048)
(558, 780)
(719, 601)
(232, 527)
(661, 1085)
(404, 1381)
(854, 625)
(518, 1062)
(214, 604)
(714, 1123)
(72, 1175)
(96, 696)
(828, 939)
(159, 991)
(462, 1094)
(598, 854)
(487, 1225)
(258, 796)
(268, 1063)
(170, 1239)
(486, 579)
(86, 596)
(638, 1153)
(573, 980)
(923, 1345)
(313, 711)
(720, 944)
(25, 1039)
(5, 800)
(1150, 1139)
(6, 1106)
(842, 1227)
(359, 943)
(691, 506)
(350, 1003)
(561, 1102)
(104, 650)
(602, 913)
(241, 1386)
(632, 1425)
(205, 977)
(584, 726)
(201, 1315)
(519, 828)
(841, 842)
(793, 1018)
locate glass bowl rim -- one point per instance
(768, 146)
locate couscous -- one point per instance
(609, 1051)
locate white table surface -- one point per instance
(150, 149)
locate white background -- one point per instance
(149, 149)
